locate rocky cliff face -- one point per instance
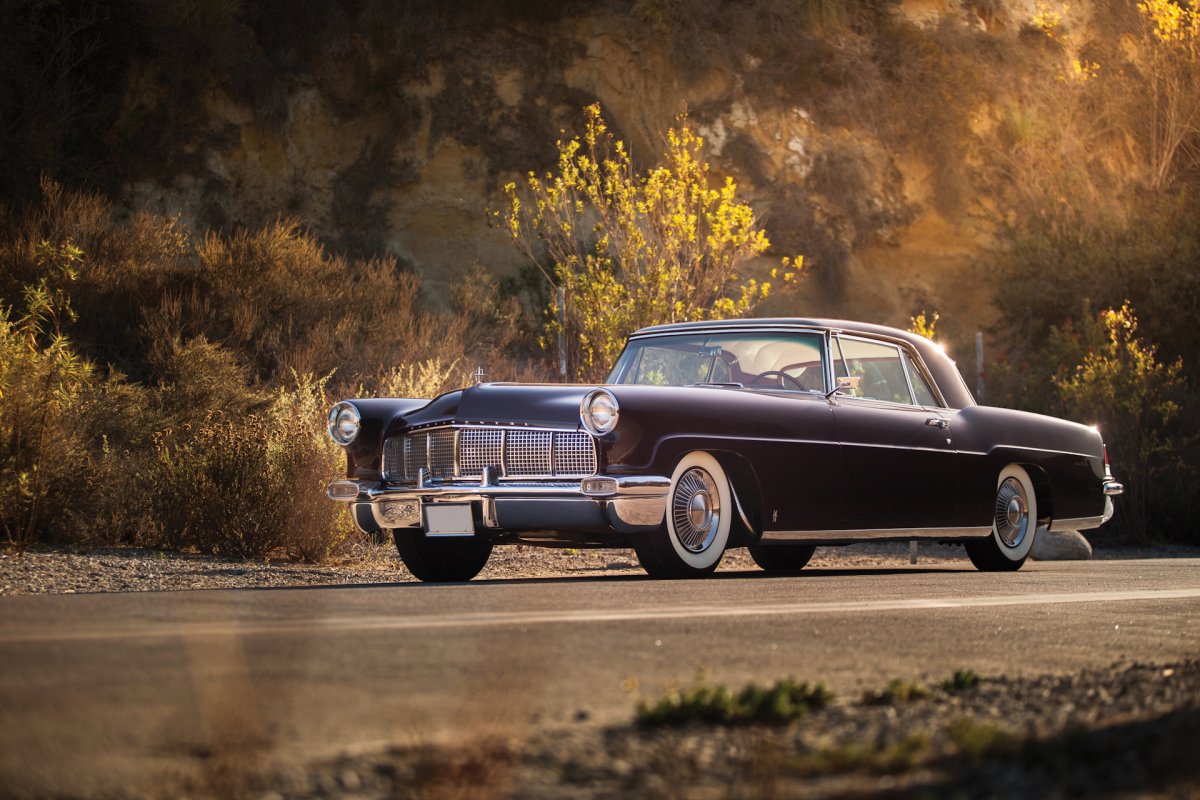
(379, 157)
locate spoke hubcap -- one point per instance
(696, 510)
(1012, 512)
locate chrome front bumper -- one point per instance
(627, 504)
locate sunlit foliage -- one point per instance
(1171, 50)
(924, 325)
(629, 249)
(1134, 396)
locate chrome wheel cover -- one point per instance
(1012, 513)
(696, 510)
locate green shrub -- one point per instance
(961, 681)
(42, 448)
(981, 741)
(895, 692)
(1121, 385)
(777, 704)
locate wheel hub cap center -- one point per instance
(700, 510)
(1016, 512)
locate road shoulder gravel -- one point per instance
(62, 570)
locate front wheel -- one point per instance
(1014, 523)
(436, 560)
(785, 559)
(692, 540)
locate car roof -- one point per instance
(777, 322)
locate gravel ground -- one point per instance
(1130, 730)
(63, 571)
(58, 570)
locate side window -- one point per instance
(875, 370)
(920, 386)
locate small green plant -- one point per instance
(962, 680)
(981, 740)
(895, 692)
(777, 704)
(879, 758)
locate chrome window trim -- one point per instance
(879, 343)
(912, 354)
(821, 333)
(828, 332)
(732, 329)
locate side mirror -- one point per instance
(842, 385)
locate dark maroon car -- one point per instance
(773, 434)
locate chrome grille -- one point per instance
(479, 448)
(528, 453)
(463, 452)
(441, 453)
(395, 456)
(574, 454)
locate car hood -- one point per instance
(551, 405)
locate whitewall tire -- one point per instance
(698, 516)
(1014, 524)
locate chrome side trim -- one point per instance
(1079, 523)
(878, 533)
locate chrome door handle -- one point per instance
(937, 422)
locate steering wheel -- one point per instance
(775, 373)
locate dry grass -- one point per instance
(222, 354)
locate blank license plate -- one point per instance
(449, 519)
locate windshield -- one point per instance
(791, 361)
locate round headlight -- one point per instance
(344, 423)
(599, 411)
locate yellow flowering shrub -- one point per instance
(924, 325)
(629, 250)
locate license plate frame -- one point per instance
(447, 519)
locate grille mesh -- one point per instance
(441, 453)
(479, 448)
(395, 456)
(528, 453)
(574, 454)
(522, 453)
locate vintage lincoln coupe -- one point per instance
(773, 434)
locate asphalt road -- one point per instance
(116, 693)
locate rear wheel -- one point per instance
(1014, 523)
(435, 560)
(692, 540)
(787, 559)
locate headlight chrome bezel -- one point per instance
(341, 416)
(588, 411)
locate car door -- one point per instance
(899, 464)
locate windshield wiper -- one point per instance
(719, 383)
